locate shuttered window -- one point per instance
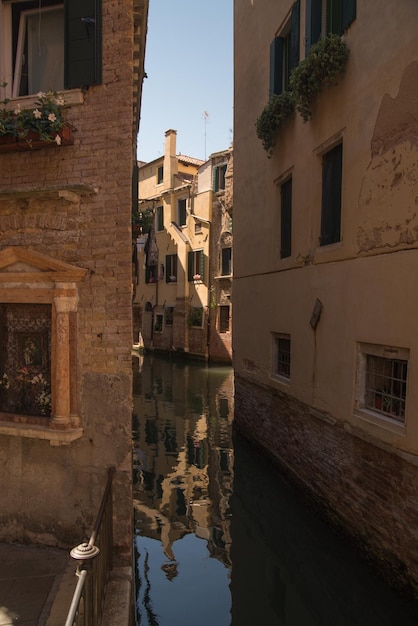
(335, 15)
(313, 23)
(195, 265)
(331, 196)
(159, 218)
(53, 45)
(284, 53)
(83, 43)
(226, 261)
(286, 219)
(171, 268)
(182, 211)
(219, 177)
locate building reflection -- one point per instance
(183, 457)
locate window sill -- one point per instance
(71, 97)
(380, 420)
(34, 431)
(223, 276)
(282, 380)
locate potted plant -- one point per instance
(39, 126)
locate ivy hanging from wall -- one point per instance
(323, 66)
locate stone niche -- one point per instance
(38, 346)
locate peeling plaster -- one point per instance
(388, 190)
(397, 120)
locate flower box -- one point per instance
(33, 141)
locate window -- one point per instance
(286, 219)
(171, 268)
(38, 338)
(160, 174)
(196, 266)
(331, 196)
(284, 53)
(224, 318)
(327, 16)
(151, 274)
(159, 218)
(182, 212)
(196, 316)
(281, 355)
(158, 324)
(383, 373)
(219, 177)
(197, 228)
(226, 261)
(169, 315)
(52, 45)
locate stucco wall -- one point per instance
(365, 282)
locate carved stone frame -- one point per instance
(30, 277)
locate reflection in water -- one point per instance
(276, 564)
(183, 464)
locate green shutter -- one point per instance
(286, 220)
(216, 179)
(294, 36)
(168, 269)
(331, 196)
(334, 16)
(202, 265)
(349, 13)
(276, 66)
(83, 43)
(190, 265)
(313, 22)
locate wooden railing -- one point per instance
(94, 566)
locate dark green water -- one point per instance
(220, 538)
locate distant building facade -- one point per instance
(181, 227)
(326, 245)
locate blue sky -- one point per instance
(189, 63)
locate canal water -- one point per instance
(220, 538)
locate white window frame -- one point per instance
(9, 74)
(361, 409)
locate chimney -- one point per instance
(170, 160)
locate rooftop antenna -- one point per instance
(205, 117)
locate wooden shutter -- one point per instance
(313, 22)
(83, 43)
(276, 66)
(190, 265)
(216, 179)
(286, 220)
(349, 13)
(334, 16)
(202, 265)
(331, 196)
(294, 36)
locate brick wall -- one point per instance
(54, 493)
(369, 493)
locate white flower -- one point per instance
(52, 117)
(59, 101)
(17, 110)
(37, 114)
(40, 94)
(57, 140)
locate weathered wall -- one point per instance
(368, 492)
(365, 282)
(50, 494)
